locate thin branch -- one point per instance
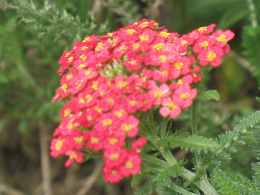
(154, 9)
(244, 63)
(90, 180)
(5, 189)
(97, 8)
(45, 161)
(251, 7)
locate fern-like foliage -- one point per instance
(49, 21)
(256, 149)
(240, 128)
(195, 143)
(226, 180)
(229, 182)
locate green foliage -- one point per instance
(243, 126)
(48, 21)
(194, 143)
(232, 183)
(251, 36)
(181, 153)
(210, 95)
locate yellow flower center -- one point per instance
(107, 122)
(69, 76)
(83, 57)
(204, 44)
(59, 144)
(126, 127)
(129, 164)
(211, 56)
(163, 58)
(222, 38)
(65, 87)
(184, 96)
(67, 112)
(99, 47)
(178, 65)
(144, 37)
(86, 99)
(130, 31)
(94, 140)
(113, 140)
(88, 72)
(164, 34)
(158, 46)
(121, 84)
(119, 113)
(136, 46)
(81, 66)
(171, 106)
(202, 29)
(78, 139)
(114, 156)
(132, 102)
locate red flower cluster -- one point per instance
(108, 79)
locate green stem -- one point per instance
(203, 183)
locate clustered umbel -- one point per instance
(108, 80)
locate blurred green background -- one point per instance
(33, 34)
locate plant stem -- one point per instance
(203, 183)
(251, 7)
(45, 161)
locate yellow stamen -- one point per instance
(114, 156)
(184, 96)
(59, 144)
(163, 58)
(158, 46)
(129, 164)
(67, 112)
(164, 34)
(144, 37)
(204, 44)
(113, 140)
(127, 127)
(202, 29)
(211, 55)
(94, 140)
(130, 31)
(178, 65)
(222, 38)
(78, 139)
(65, 87)
(83, 58)
(107, 122)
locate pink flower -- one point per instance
(112, 175)
(130, 126)
(109, 80)
(158, 93)
(132, 165)
(114, 156)
(74, 156)
(138, 144)
(95, 140)
(184, 96)
(170, 108)
(211, 56)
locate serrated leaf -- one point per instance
(192, 143)
(210, 95)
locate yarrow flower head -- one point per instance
(106, 80)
